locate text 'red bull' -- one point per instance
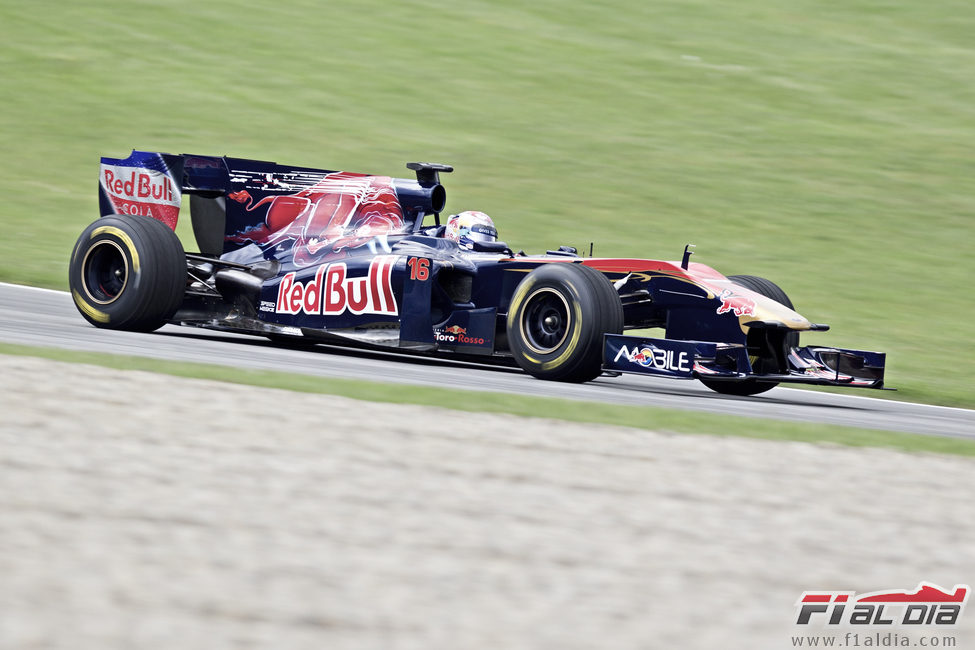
(141, 191)
(332, 292)
(142, 185)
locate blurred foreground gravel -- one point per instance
(142, 511)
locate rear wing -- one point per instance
(235, 201)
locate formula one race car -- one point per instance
(295, 253)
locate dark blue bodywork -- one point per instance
(335, 256)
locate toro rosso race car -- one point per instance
(295, 253)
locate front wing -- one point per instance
(730, 362)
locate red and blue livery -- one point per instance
(296, 253)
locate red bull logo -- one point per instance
(136, 190)
(332, 292)
(739, 305)
(342, 210)
(455, 329)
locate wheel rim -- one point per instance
(104, 272)
(545, 323)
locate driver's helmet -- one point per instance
(470, 226)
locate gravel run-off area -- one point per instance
(144, 511)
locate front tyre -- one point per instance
(127, 273)
(557, 319)
(748, 387)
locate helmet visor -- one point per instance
(483, 232)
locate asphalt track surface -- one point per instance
(39, 317)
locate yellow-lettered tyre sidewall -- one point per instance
(154, 273)
(585, 294)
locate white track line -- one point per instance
(27, 286)
(877, 399)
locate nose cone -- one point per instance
(768, 310)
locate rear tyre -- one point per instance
(747, 387)
(557, 319)
(127, 273)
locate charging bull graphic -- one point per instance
(341, 211)
(731, 302)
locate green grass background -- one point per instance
(826, 145)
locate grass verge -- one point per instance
(641, 417)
